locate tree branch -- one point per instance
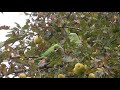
(61, 27)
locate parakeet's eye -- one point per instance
(55, 49)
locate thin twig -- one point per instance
(61, 27)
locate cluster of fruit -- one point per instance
(79, 69)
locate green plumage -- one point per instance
(48, 52)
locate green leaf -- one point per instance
(30, 53)
(18, 26)
(11, 69)
(13, 40)
(3, 69)
(8, 35)
(84, 25)
(25, 27)
(4, 27)
(1, 44)
(53, 40)
(74, 38)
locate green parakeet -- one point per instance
(48, 52)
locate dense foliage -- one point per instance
(90, 42)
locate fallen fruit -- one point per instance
(22, 75)
(79, 65)
(79, 68)
(91, 75)
(61, 76)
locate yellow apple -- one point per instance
(78, 65)
(22, 75)
(61, 76)
(79, 68)
(76, 71)
(37, 40)
(91, 75)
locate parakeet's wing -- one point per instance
(48, 52)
